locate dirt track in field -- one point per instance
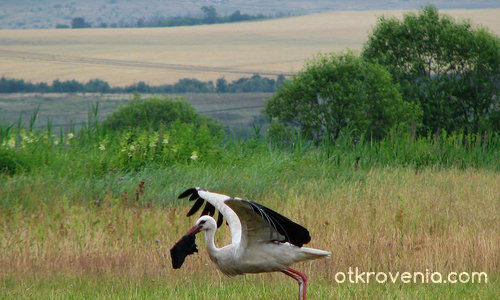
(128, 63)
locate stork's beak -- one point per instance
(194, 230)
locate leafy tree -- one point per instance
(72, 86)
(334, 93)
(221, 85)
(42, 87)
(237, 17)
(12, 85)
(140, 87)
(79, 23)
(210, 14)
(192, 85)
(280, 80)
(256, 83)
(97, 85)
(57, 86)
(449, 68)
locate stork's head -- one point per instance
(203, 223)
(186, 245)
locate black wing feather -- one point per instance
(187, 193)
(208, 210)
(294, 233)
(195, 207)
(219, 219)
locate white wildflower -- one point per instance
(194, 155)
(102, 147)
(28, 139)
(12, 142)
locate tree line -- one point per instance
(209, 16)
(256, 83)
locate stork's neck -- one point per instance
(210, 242)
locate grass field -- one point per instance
(164, 55)
(60, 244)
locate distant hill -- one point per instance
(21, 14)
(157, 56)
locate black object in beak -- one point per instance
(184, 247)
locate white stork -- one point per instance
(262, 239)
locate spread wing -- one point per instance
(260, 223)
(213, 202)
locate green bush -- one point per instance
(13, 161)
(335, 93)
(156, 112)
(158, 131)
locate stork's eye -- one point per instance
(202, 222)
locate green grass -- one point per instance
(82, 176)
(247, 287)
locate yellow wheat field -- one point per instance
(164, 55)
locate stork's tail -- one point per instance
(315, 253)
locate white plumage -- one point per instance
(262, 239)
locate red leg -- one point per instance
(304, 280)
(301, 279)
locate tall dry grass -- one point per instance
(386, 220)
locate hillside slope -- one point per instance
(164, 55)
(17, 14)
